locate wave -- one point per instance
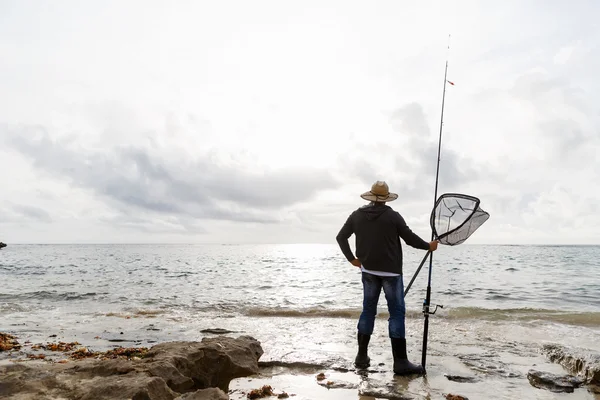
(588, 319)
(584, 318)
(314, 312)
(49, 295)
(134, 313)
(8, 308)
(306, 312)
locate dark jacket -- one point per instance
(378, 229)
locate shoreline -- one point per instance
(468, 370)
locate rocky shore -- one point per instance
(173, 370)
(190, 370)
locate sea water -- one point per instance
(303, 301)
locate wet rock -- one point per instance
(455, 397)
(594, 389)
(584, 363)
(554, 383)
(462, 379)
(217, 331)
(167, 371)
(214, 362)
(205, 394)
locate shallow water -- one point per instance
(501, 303)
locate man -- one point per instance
(377, 228)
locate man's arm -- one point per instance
(411, 238)
(342, 239)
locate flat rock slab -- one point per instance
(554, 383)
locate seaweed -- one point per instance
(8, 342)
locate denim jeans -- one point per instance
(393, 287)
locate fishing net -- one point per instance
(455, 217)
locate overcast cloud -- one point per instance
(263, 121)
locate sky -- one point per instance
(263, 121)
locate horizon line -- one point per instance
(273, 244)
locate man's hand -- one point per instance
(356, 262)
(433, 245)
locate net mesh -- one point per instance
(456, 217)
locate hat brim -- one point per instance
(369, 196)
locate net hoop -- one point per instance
(474, 209)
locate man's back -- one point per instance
(377, 228)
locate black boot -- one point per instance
(362, 359)
(401, 364)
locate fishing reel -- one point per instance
(426, 308)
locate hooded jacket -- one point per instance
(378, 229)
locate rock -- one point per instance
(2, 245)
(584, 363)
(217, 331)
(594, 389)
(462, 379)
(167, 371)
(134, 386)
(455, 397)
(552, 382)
(212, 363)
(205, 394)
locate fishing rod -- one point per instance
(454, 218)
(427, 301)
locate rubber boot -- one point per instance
(362, 359)
(401, 364)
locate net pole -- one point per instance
(415, 275)
(427, 302)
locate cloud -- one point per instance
(136, 178)
(24, 213)
(153, 224)
(411, 120)
(33, 213)
(407, 156)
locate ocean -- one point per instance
(500, 305)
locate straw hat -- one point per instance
(380, 192)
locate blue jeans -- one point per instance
(393, 287)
